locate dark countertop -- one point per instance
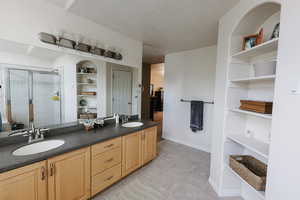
(73, 140)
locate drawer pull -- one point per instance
(52, 169)
(43, 173)
(108, 146)
(109, 178)
(109, 160)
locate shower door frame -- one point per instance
(30, 92)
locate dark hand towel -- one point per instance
(197, 108)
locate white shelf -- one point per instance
(92, 74)
(252, 144)
(266, 116)
(89, 84)
(87, 107)
(261, 194)
(258, 50)
(254, 79)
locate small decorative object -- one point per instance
(47, 38)
(90, 81)
(263, 107)
(82, 102)
(83, 47)
(83, 69)
(109, 54)
(252, 40)
(88, 124)
(55, 97)
(276, 31)
(66, 43)
(91, 70)
(118, 56)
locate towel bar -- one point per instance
(182, 100)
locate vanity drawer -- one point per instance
(106, 160)
(105, 179)
(106, 146)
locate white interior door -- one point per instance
(121, 92)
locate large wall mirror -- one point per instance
(47, 88)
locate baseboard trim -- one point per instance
(214, 185)
(205, 149)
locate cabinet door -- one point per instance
(149, 141)
(132, 153)
(28, 182)
(69, 176)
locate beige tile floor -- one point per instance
(178, 173)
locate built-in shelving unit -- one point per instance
(86, 82)
(245, 132)
(254, 79)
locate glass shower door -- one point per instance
(18, 98)
(46, 99)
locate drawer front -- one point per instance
(106, 160)
(106, 146)
(105, 179)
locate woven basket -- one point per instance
(251, 170)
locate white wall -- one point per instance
(284, 162)
(21, 21)
(227, 25)
(189, 75)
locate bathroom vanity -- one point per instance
(85, 165)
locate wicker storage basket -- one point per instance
(83, 47)
(66, 43)
(257, 106)
(47, 38)
(251, 170)
(87, 115)
(88, 93)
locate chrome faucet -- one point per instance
(34, 134)
(116, 117)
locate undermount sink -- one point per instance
(132, 124)
(38, 147)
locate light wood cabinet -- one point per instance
(28, 182)
(105, 179)
(138, 149)
(132, 152)
(149, 141)
(80, 174)
(69, 176)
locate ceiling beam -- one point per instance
(69, 4)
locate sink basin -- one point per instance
(132, 124)
(38, 147)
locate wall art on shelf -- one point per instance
(275, 33)
(251, 41)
